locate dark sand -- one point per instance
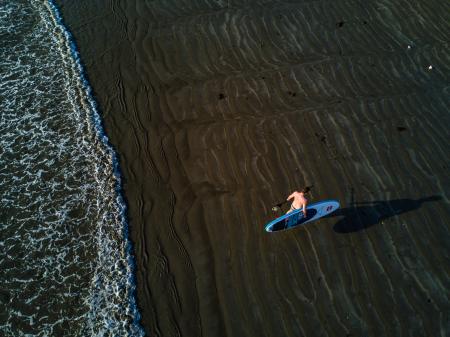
(220, 109)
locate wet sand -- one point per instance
(218, 110)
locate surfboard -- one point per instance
(313, 212)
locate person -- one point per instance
(299, 201)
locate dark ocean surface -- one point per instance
(65, 263)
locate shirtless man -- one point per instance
(299, 200)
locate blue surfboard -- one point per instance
(313, 212)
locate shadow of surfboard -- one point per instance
(362, 215)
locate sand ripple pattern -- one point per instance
(220, 108)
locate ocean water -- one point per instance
(66, 267)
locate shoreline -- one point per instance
(130, 284)
(209, 140)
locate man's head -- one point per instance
(306, 189)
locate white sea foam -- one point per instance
(66, 261)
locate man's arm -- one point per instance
(291, 196)
(304, 209)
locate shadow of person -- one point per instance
(362, 215)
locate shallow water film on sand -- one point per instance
(64, 257)
(220, 109)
